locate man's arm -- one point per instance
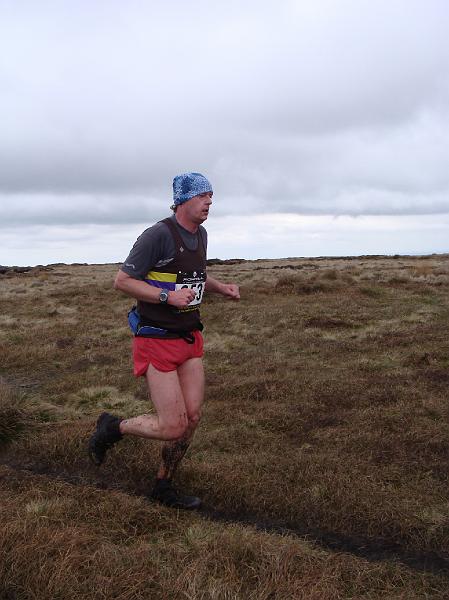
(140, 290)
(231, 290)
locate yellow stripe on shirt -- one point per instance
(157, 276)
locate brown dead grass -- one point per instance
(326, 412)
(13, 418)
(65, 541)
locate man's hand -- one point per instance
(181, 298)
(231, 290)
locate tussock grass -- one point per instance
(95, 544)
(294, 284)
(91, 400)
(326, 412)
(13, 418)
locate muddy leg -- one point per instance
(172, 454)
(191, 380)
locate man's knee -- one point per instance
(175, 431)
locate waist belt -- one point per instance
(140, 329)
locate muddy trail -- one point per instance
(370, 549)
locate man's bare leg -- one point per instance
(191, 380)
(171, 420)
(177, 397)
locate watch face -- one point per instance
(163, 296)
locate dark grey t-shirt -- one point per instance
(155, 247)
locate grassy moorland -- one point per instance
(322, 457)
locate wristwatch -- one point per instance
(163, 296)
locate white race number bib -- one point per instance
(196, 281)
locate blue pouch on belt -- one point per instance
(142, 330)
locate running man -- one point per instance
(166, 273)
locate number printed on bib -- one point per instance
(196, 281)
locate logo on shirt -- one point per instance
(130, 265)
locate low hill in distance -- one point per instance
(5, 269)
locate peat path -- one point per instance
(371, 549)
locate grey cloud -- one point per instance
(19, 210)
(318, 108)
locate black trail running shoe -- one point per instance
(166, 494)
(104, 437)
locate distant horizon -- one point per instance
(238, 258)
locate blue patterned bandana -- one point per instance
(188, 185)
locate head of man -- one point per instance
(192, 195)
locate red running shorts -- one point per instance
(164, 355)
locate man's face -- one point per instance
(197, 208)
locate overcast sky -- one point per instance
(323, 125)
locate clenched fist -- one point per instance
(231, 290)
(181, 298)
